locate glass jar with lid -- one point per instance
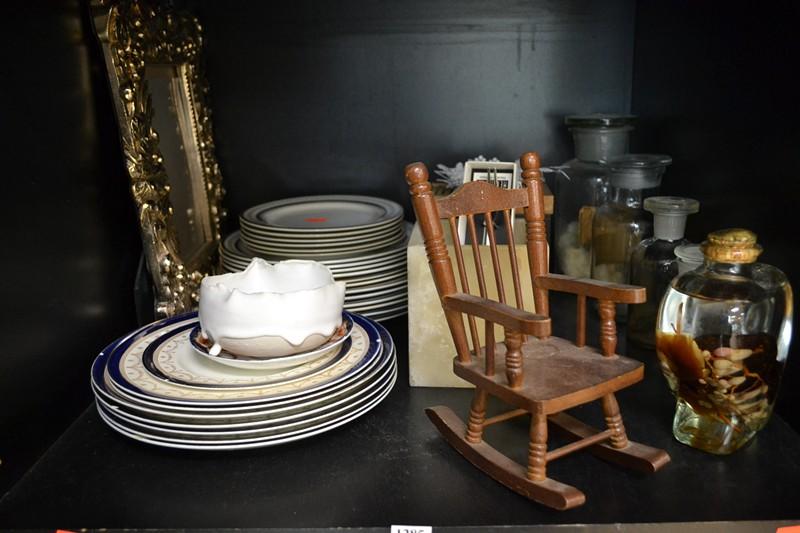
(581, 186)
(654, 264)
(722, 338)
(621, 223)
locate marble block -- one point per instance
(430, 346)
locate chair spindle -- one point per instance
(489, 350)
(512, 256)
(580, 334)
(608, 327)
(498, 274)
(476, 255)
(462, 274)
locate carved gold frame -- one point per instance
(133, 34)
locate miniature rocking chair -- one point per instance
(532, 371)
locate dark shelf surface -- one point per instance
(392, 467)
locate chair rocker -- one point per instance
(535, 373)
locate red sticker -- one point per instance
(788, 529)
(316, 219)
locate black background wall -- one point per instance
(69, 240)
(714, 88)
(321, 97)
(318, 97)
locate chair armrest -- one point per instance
(509, 317)
(601, 290)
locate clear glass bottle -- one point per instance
(654, 264)
(581, 186)
(722, 339)
(620, 224)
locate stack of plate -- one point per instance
(159, 385)
(361, 239)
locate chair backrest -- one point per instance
(481, 199)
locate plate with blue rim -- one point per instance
(310, 430)
(231, 417)
(261, 428)
(295, 419)
(124, 370)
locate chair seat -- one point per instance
(557, 375)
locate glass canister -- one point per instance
(722, 339)
(620, 223)
(581, 186)
(654, 263)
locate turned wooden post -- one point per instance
(426, 207)
(536, 230)
(619, 439)
(477, 416)
(537, 448)
(513, 342)
(608, 327)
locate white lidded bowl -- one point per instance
(270, 310)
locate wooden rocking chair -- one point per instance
(532, 371)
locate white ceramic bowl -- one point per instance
(271, 310)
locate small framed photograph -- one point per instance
(500, 173)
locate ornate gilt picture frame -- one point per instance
(152, 56)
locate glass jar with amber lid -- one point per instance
(722, 337)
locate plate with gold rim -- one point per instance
(168, 359)
(312, 430)
(201, 348)
(239, 415)
(324, 213)
(268, 424)
(126, 370)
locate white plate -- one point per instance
(340, 233)
(256, 241)
(270, 363)
(387, 314)
(377, 305)
(330, 251)
(233, 412)
(262, 418)
(271, 428)
(237, 414)
(169, 360)
(362, 284)
(326, 213)
(357, 291)
(258, 443)
(380, 301)
(254, 234)
(234, 249)
(269, 422)
(127, 372)
(369, 271)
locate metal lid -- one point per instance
(599, 120)
(734, 245)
